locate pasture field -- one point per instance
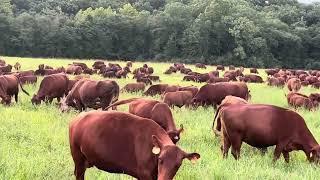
(34, 140)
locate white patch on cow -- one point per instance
(194, 160)
(156, 150)
(176, 137)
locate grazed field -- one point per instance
(34, 139)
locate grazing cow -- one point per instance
(17, 66)
(190, 78)
(28, 79)
(82, 65)
(178, 98)
(74, 70)
(316, 85)
(155, 110)
(9, 86)
(52, 86)
(285, 129)
(200, 65)
(144, 80)
(6, 68)
(299, 100)
(185, 70)
(213, 94)
(271, 72)
(98, 64)
(220, 67)
(294, 84)
(253, 78)
(231, 75)
(119, 142)
(278, 82)
(154, 78)
(156, 89)
(93, 94)
(254, 71)
(134, 87)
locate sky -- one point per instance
(308, 1)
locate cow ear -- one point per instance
(193, 157)
(157, 145)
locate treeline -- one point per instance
(255, 33)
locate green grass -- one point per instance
(34, 139)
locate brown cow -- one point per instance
(220, 67)
(285, 129)
(26, 73)
(17, 66)
(28, 79)
(156, 89)
(74, 70)
(200, 65)
(213, 94)
(231, 67)
(190, 78)
(93, 94)
(119, 142)
(254, 71)
(299, 100)
(6, 69)
(294, 84)
(278, 82)
(129, 64)
(134, 87)
(178, 98)
(155, 110)
(52, 86)
(253, 78)
(98, 64)
(171, 88)
(9, 86)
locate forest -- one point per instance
(252, 33)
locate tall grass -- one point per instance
(34, 139)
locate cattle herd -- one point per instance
(142, 142)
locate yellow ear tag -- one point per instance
(155, 150)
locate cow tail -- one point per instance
(120, 103)
(22, 88)
(215, 116)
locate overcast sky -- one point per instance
(308, 1)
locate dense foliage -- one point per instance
(240, 32)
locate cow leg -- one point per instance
(225, 144)
(236, 146)
(58, 99)
(286, 156)
(79, 162)
(16, 97)
(278, 151)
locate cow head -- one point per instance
(35, 100)
(169, 158)
(175, 134)
(65, 103)
(315, 154)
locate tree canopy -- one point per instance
(257, 33)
